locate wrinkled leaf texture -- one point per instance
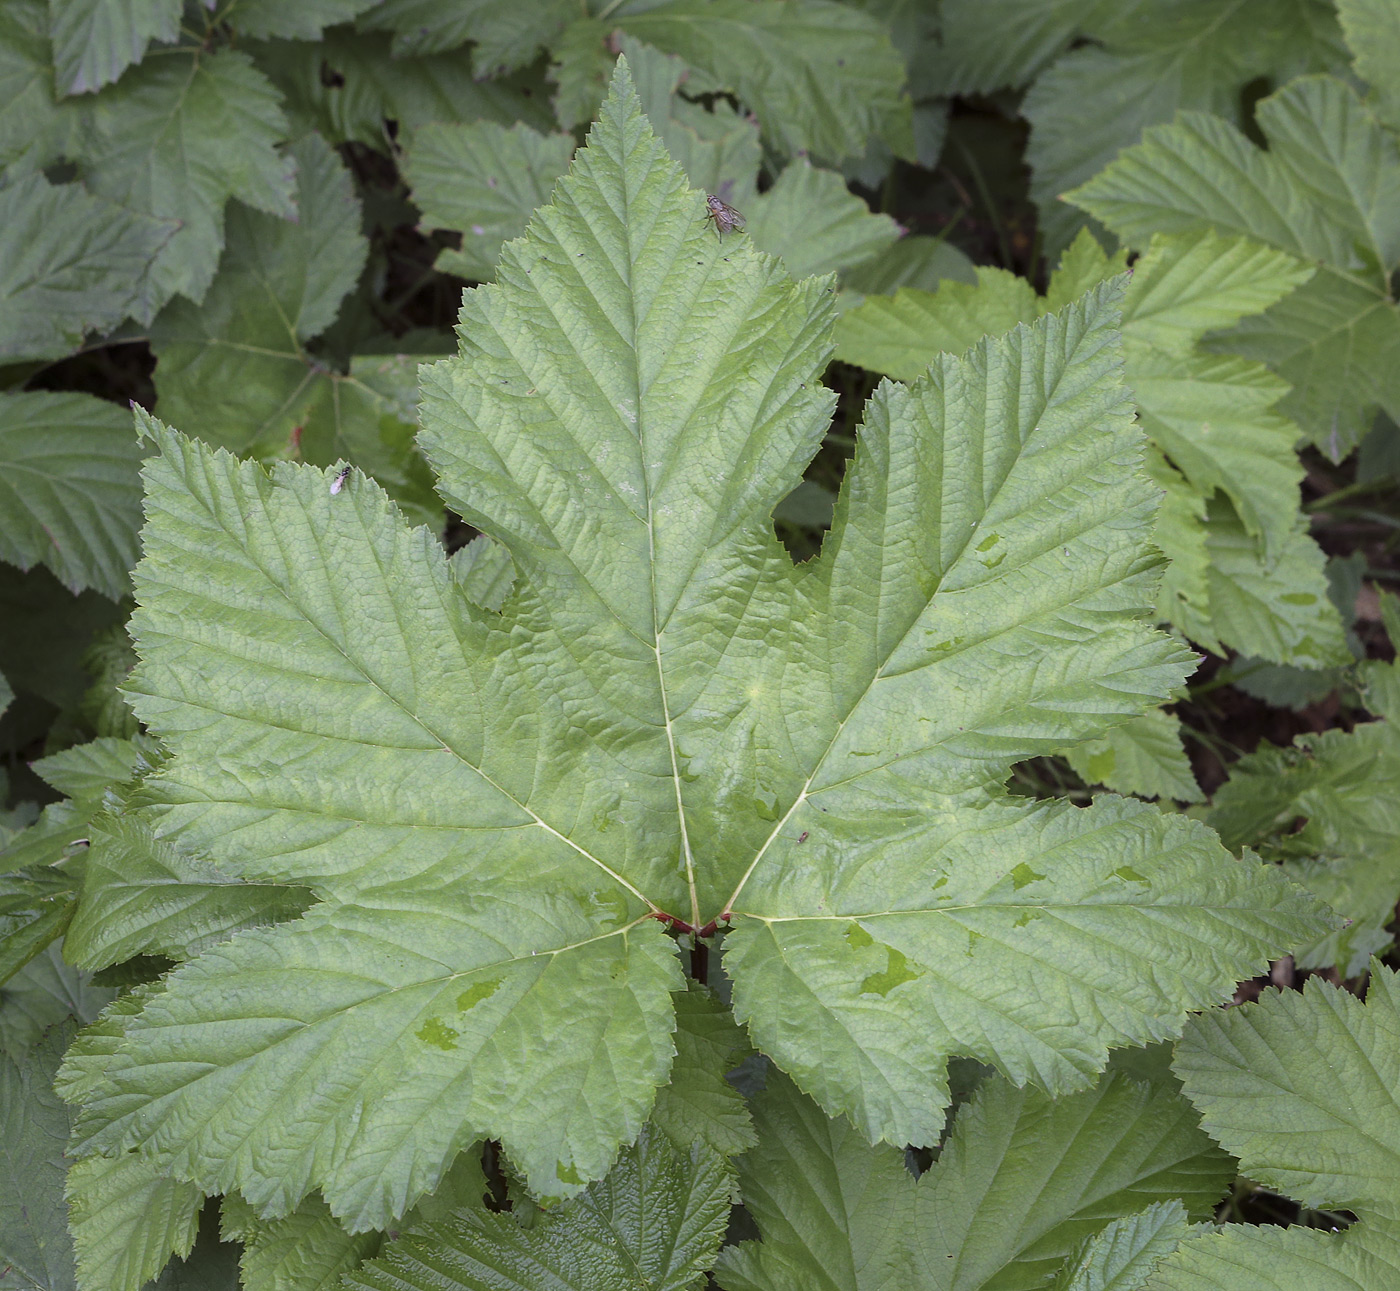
(666, 718)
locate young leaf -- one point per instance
(1323, 191)
(1121, 1256)
(176, 138)
(484, 182)
(69, 263)
(93, 42)
(655, 1222)
(70, 489)
(307, 1248)
(1303, 1088)
(668, 722)
(1143, 757)
(1021, 1180)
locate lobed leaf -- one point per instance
(666, 723)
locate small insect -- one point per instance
(726, 218)
(802, 838)
(339, 482)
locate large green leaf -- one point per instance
(94, 41)
(1326, 191)
(988, 45)
(1303, 1088)
(1021, 1180)
(305, 20)
(654, 1222)
(70, 490)
(667, 723)
(69, 263)
(176, 138)
(41, 995)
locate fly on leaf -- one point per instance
(726, 218)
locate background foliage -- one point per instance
(255, 221)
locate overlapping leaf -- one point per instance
(1021, 1180)
(94, 42)
(70, 494)
(1303, 1088)
(1244, 573)
(1326, 191)
(237, 367)
(667, 722)
(69, 263)
(176, 138)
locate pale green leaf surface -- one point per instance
(94, 41)
(306, 1249)
(36, 1251)
(718, 149)
(304, 20)
(176, 138)
(86, 771)
(36, 127)
(1143, 757)
(917, 261)
(1324, 191)
(484, 571)
(1120, 1257)
(347, 86)
(1325, 808)
(1302, 1088)
(815, 223)
(1277, 610)
(70, 489)
(822, 77)
(699, 1104)
(506, 33)
(901, 334)
(69, 263)
(128, 1216)
(832, 1210)
(656, 1222)
(484, 182)
(142, 897)
(1372, 30)
(1020, 1182)
(667, 718)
